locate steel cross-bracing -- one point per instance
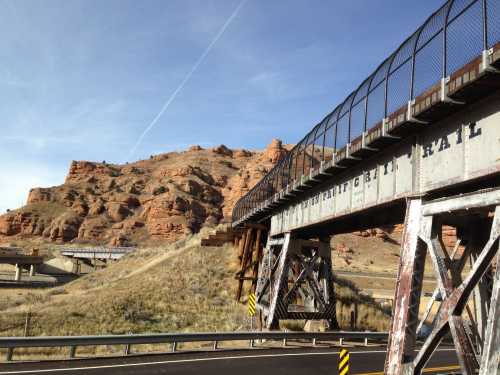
(470, 301)
(417, 142)
(296, 282)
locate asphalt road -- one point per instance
(244, 362)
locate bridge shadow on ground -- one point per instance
(357, 310)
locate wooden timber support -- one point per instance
(250, 249)
(476, 336)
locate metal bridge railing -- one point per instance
(73, 342)
(456, 34)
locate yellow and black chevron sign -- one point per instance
(251, 304)
(343, 362)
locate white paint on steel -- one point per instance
(460, 148)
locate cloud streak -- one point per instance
(187, 77)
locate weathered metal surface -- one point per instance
(401, 344)
(295, 282)
(475, 349)
(490, 361)
(447, 320)
(458, 149)
(277, 289)
(250, 255)
(407, 94)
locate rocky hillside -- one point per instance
(161, 198)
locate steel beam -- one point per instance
(475, 350)
(402, 336)
(490, 360)
(296, 282)
(278, 288)
(463, 202)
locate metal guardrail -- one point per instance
(73, 342)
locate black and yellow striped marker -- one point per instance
(251, 304)
(343, 362)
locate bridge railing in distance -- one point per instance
(73, 342)
(453, 47)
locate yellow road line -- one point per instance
(432, 369)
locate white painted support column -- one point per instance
(19, 272)
(490, 359)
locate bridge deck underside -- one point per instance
(21, 259)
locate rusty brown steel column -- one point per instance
(401, 345)
(241, 245)
(257, 255)
(244, 255)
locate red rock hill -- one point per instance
(162, 198)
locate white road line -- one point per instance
(40, 371)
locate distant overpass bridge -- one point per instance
(101, 253)
(91, 255)
(417, 142)
(16, 257)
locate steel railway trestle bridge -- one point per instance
(418, 142)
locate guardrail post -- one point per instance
(72, 351)
(341, 341)
(126, 350)
(10, 354)
(366, 341)
(215, 345)
(284, 342)
(314, 341)
(174, 347)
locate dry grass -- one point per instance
(179, 287)
(176, 288)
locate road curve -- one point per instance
(364, 361)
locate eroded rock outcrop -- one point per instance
(162, 198)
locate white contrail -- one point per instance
(187, 77)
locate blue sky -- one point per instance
(81, 80)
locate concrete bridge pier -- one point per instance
(32, 270)
(19, 272)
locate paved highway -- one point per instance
(244, 362)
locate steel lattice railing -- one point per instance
(456, 34)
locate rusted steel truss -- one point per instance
(249, 254)
(295, 281)
(469, 309)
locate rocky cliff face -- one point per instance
(162, 198)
